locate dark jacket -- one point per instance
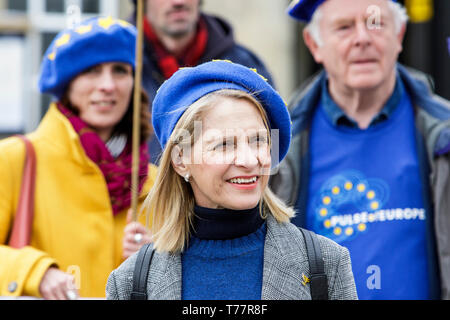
(432, 119)
(221, 45)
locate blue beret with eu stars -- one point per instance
(303, 10)
(187, 85)
(92, 42)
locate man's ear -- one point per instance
(401, 36)
(178, 161)
(312, 45)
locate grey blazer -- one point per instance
(285, 263)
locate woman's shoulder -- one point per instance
(290, 242)
(338, 267)
(330, 248)
(291, 236)
(120, 281)
(12, 149)
(12, 152)
(51, 128)
(163, 266)
(12, 145)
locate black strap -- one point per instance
(318, 278)
(140, 275)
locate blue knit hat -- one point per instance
(92, 42)
(303, 10)
(187, 85)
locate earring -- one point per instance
(186, 177)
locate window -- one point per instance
(91, 6)
(17, 5)
(54, 6)
(12, 117)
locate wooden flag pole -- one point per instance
(137, 109)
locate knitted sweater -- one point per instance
(224, 259)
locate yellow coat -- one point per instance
(73, 226)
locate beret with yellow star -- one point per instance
(188, 85)
(92, 42)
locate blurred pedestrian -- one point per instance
(83, 169)
(218, 231)
(369, 162)
(178, 34)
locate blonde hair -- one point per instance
(171, 199)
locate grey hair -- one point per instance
(313, 27)
(400, 15)
(399, 12)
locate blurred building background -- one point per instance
(28, 26)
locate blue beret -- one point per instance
(303, 10)
(92, 42)
(187, 85)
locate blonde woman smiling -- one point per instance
(218, 230)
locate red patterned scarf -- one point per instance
(117, 172)
(167, 62)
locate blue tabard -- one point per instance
(365, 193)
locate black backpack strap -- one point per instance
(140, 275)
(318, 278)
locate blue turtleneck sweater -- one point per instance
(224, 258)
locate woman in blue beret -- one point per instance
(81, 231)
(218, 232)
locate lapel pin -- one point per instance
(305, 279)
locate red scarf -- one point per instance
(167, 62)
(117, 172)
